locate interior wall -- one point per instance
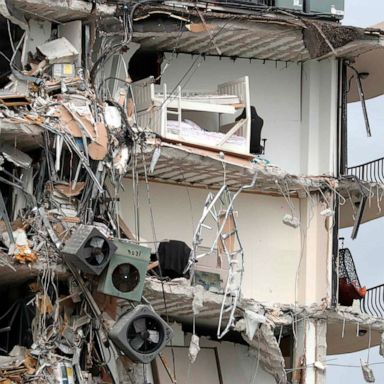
(271, 248)
(239, 364)
(319, 117)
(314, 277)
(298, 103)
(221, 363)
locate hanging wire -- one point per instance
(286, 198)
(369, 342)
(152, 218)
(10, 35)
(128, 34)
(157, 254)
(342, 200)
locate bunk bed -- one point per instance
(162, 113)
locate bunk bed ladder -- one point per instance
(235, 273)
(219, 207)
(169, 99)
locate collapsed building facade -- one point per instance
(149, 232)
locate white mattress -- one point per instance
(188, 130)
(206, 99)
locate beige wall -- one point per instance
(319, 117)
(272, 249)
(314, 277)
(237, 364)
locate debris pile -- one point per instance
(62, 150)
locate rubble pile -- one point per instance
(63, 153)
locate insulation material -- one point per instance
(291, 221)
(120, 160)
(112, 117)
(22, 251)
(155, 158)
(198, 299)
(381, 350)
(368, 375)
(252, 322)
(194, 348)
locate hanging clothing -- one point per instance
(173, 258)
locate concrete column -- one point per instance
(38, 32)
(310, 352)
(313, 280)
(72, 31)
(319, 117)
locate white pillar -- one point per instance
(319, 117)
(313, 280)
(310, 351)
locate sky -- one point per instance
(368, 248)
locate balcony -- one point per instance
(363, 181)
(372, 171)
(373, 302)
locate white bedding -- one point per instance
(206, 99)
(188, 130)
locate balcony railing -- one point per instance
(373, 171)
(373, 302)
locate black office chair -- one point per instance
(256, 126)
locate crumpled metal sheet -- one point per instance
(59, 51)
(15, 156)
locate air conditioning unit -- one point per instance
(88, 249)
(326, 8)
(141, 334)
(126, 271)
(294, 5)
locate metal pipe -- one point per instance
(362, 99)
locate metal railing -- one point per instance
(373, 171)
(373, 302)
